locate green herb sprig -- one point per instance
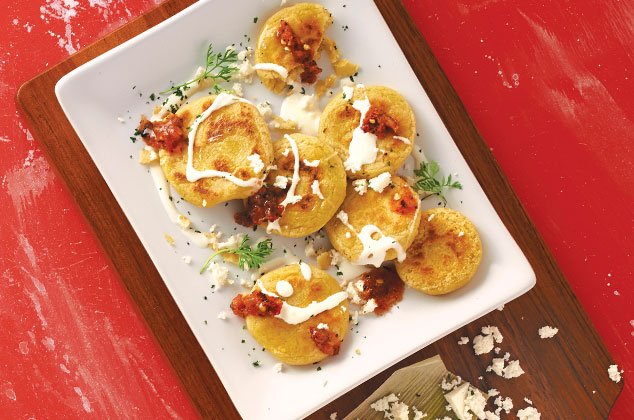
(214, 61)
(429, 183)
(247, 258)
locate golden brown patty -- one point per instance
(223, 142)
(395, 211)
(312, 212)
(293, 344)
(339, 120)
(445, 254)
(308, 22)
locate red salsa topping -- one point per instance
(406, 203)
(167, 134)
(378, 123)
(263, 206)
(302, 53)
(384, 286)
(326, 341)
(257, 304)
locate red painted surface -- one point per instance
(547, 83)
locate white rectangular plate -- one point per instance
(93, 97)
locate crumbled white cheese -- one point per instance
(529, 413)
(474, 403)
(614, 374)
(369, 306)
(187, 259)
(219, 274)
(431, 216)
(265, 110)
(286, 151)
(353, 289)
(309, 249)
(237, 89)
(463, 341)
(513, 370)
(383, 404)
(418, 415)
(494, 331)
(279, 367)
(333, 416)
(222, 315)
(245, 283)
(280, 182)
(505, 404)
(232, 242)
(245, 71)
(529, 402)
(348, 235)
(311, 163)
(547, 332)
(497, 366)
(449, 385)
(497, 350)
(121, 119)
(482, 344)
(360, 186)
(315, 188)
(336, 257)
(491, 416)
(256, 163)
(379, 182)
(500, 308)
(493, 392)
(322, 326)
(391, 407)
(460, 234)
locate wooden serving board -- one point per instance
(566, 376)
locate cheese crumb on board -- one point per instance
(187, 259)
(482, 344)
(529, 413)
(279, 367)
(222, 315)
(513, 370)
(547, 332)
(333, 416)
(463, 341)
(505, 404)
(614, 374)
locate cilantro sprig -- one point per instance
(429, 183)
(247, 258)
(220, 63)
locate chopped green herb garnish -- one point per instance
(255, 19)
(247, 258)
(256, 363)
(428, 182)
(219, 62)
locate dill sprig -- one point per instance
(247, 258)
(215, 61)
(429, 183)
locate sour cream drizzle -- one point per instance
(295, 315)
(403, 139)
(193, 175)
(374, 250)
(163, 190)
(272, 67)
(290, 198)
(306, 271)
(362, 149)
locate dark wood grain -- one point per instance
(566, 376)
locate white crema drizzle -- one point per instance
(290, 198)
(295, 315)
(163, 190)
(374, 250)
(272, 67)
(362, 149)
(193, 175)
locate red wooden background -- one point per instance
(547, 83)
